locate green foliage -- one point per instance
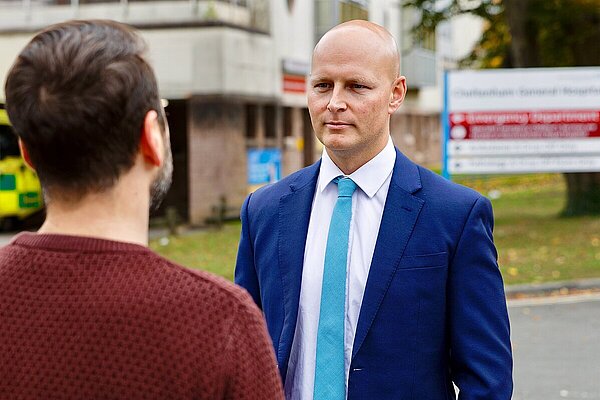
(567, 32)
(558, 32)
(493, 49)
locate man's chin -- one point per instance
(338, 142)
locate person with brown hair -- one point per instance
(86, 309)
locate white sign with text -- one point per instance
(522, 120)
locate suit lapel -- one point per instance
(400, 215)
(294, 216)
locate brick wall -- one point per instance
(217, 156)
(418, 136)
(217, 146)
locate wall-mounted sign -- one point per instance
(522, 120)
(294, 74)
(264, 166)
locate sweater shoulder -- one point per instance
(205, 286)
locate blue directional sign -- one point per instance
(264, 166)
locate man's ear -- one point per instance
(398, 93)
(151, 141)
(25, 155)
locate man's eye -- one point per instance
(322, 85)
(358, 86)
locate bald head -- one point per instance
(367, 39)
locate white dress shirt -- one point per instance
(373, 180)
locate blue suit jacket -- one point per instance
(433, 310)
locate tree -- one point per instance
(531, 33)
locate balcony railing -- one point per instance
(31, 15)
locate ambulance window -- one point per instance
(8, 142)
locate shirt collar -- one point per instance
(369, 178)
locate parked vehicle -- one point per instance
(20, 190)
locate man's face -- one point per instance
(351, 88)
(162, 182)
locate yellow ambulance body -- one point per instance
(20, 190)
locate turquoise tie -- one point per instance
(330, 374)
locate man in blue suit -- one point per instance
(378, 279)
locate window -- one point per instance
(250, 121)
(270, 122)
(329, 13)
(287, 121)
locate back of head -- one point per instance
(77, 95)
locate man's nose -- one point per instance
(336, 101)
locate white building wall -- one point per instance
(292, 30)
(10, 45)
(387, 13)
(190, 61)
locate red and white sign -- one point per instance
(294, 75)
(523, 120)
(294, 83)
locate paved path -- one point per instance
(556, 344)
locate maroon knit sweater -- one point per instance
(85, 318)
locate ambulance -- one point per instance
(20, 190)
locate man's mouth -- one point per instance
(337, 124)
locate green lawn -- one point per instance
(534, 243)
(211, 250)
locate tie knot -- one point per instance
(346, 186)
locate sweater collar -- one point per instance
(53, 241)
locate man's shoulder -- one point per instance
(202, 286)
(135, 272)
(424, 183)
(438, 191)
(298, 180)
(432, 181)
(139, 269)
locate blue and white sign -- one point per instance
(264, 166)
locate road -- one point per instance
(556, 344)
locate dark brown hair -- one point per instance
(77, 96)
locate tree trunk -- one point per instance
(583, 189)
(523, 46)
(583, 194)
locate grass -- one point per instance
(534, 243)
(212, 250)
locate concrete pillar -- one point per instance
(217, 156)
(259, 127)
(292, 143)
